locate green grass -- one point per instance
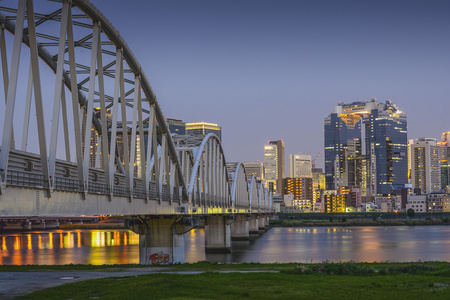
(420, 280)
(254, 286)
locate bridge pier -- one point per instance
(161, 240)
(253, 226)
(240, 228)
(261, 224)
(266, 222)
(218, 234)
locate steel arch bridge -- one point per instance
(66, 63)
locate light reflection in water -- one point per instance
(29, 242)
(55, 247)
(306, 244)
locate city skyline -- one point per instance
(266, 70)
(207, 61)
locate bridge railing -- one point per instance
(25, 179)
(68, 184)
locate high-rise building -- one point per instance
(203, 128)
(300, 166)
(366, 145)
(254, 169)
(301, 188)
(176, 126)
(425, 158)
(318, 184)
(445, 159)
(274, 164)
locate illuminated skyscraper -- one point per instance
(445, 159)
(203, 128)
(274, 164)
(425, 158)
(381, 130)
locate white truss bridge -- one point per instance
(69, 78)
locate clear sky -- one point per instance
(267, 70)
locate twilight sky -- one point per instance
(267, 70)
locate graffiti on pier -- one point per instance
(159, 258)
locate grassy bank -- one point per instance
(359, 222)
(305, 281)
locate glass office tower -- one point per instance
(382, 129)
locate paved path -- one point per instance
(13, 284)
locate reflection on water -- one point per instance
(64, 247)
(305, 244)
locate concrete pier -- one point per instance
(38, 225)
(253, 227)
(160, 241)
(240, 228)
(261, 224)
(26, 225)
(218, 234)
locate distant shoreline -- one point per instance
(359, 222)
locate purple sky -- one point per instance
(267, 70)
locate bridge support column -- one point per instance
(253, 226)
(161, 241)
(266, 222)
(261, 224)
(26, 225)
(240, 228)
(218, 234)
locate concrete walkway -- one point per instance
(14, 284)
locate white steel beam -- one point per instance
(103, 143)
(148, 168)
(37, 91)
(65, 123)
(26, 117)
(133, 132)
(89, 108)
(114, 113)
(123, 104)
(75, 101)
(58, 92)
(12, 88)
(142, 164)
(5, 74)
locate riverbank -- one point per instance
(428, 280)
(343, 221)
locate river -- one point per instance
(278, 244)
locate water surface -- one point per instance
(304, 244)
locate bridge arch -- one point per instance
(109, 76)
(255, 200)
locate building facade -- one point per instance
(425, 163)
(254, 169)
(274, 161)
(300, 166)
(203, 128)
(445, 160)
(366, 145)
(176, 126)
(301, 188)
